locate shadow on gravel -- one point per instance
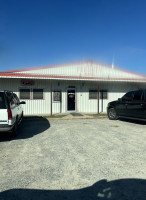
(122, 189)
(133, 121)
(28, 128)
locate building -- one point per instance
(80, 87)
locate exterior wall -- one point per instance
(83, 103)
(32, 107)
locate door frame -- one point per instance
(67, 99)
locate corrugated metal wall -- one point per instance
(32, 107)
(83, 103)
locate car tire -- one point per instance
(112, 115)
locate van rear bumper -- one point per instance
(5, 128)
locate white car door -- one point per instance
(13, 108)
(19, 106)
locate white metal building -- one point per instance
(80, 87)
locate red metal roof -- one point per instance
(27, 73)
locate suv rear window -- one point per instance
(2, 101)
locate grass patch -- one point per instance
(104, 115)
(54, 116)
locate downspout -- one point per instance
(51, 95)
(98, 97)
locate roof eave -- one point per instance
(59, 77)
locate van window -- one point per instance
(10, 98)
(16, 98)
(2, 101)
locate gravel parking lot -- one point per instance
(74, 159)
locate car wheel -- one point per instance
(112, 115)
(15, 130)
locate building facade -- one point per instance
(80, 87)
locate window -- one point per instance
(128, 96)
(103, 94)
(10, 98)
(2, 101)
(29, 93)
(57, 96)
(138, 95)
(37, 93)
(24, 93)
(16, 98)
(92, 94)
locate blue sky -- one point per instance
(37, 33)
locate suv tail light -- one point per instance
(9, 114)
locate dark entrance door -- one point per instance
(71, 99)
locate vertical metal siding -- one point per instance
(38, 107)
(32, 107)
(42, 107)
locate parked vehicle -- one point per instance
(132, 105)
(11, 112)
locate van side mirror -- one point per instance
(22, 102)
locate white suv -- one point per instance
(11, 112)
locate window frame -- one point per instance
(57, 101)
(33, 93)
(20, 94)
(101, 92)
(96, 94)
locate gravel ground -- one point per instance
(74, 159)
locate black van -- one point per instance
(132, 105)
